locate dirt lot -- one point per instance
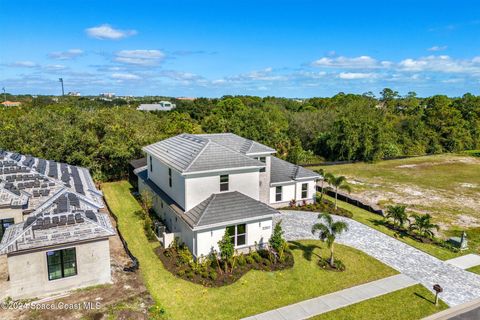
(126, 298)
(446, 186)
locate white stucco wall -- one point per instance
(200, 187)
(29, 272)
(293, 191)
(258, 231)
(159, 175)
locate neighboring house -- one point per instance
(11, 103)
(160, 106)
(204, 184)
(54, 228)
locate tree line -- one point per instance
(105, 135)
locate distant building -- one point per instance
(74, 94)
(11, 103)
(160, 106)
(107, 95)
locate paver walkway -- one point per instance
(459, 286)
(309, 308)
(466, 261)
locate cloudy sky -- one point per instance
(212, 48)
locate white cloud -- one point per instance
(125, 76)
(361, 62)
(24, 64)
(107, 32)
(140, 57)
(440, 63)
(438, 48)
(357, 75)
(65, 55)
(55, 67)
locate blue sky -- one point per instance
(213, 48)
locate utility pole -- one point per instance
(61, 81)
(4, 94)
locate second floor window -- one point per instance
(151, 166)
(278, 193)
(224, 182)
(264, 160)
(170, 177)
(304, 190)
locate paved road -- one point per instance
(459, 286)
(312, 307)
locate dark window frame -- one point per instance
(264, 160)
(278, 194)
(62, 264)
(224, 185)
(151, 166)
(304, 191)
(170, 177)
(3, 222)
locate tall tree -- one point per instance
(337, 182)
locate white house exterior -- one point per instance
(204, 184)
(54, 230)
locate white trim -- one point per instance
(221, 170)
(232, 222)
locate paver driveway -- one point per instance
(459, 286)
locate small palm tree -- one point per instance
(321, 172)
(338, 182)
(423, 224)
(328, 231)
(397, 214)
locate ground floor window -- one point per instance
(238, 234)
(4, 224)
(304, 190)
(61, 263)
(278, 193)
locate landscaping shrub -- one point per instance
(213, 275)
(256, 256)
(325, 206)
(249, 259)
(241, 260)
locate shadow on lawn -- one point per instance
(424, 298)
(307, 249)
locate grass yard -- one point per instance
(446, 186)
(475, 269)
(412, 303)
(370, 219)
(256, 292)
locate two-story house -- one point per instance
(204, 184)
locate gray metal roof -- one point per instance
(237, 143)
(226, 207)
(190, 153)
(283, 171)
(166, 106)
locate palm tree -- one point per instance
(328, 231)
(322, 173)
(338, 182)
(397, 214)
(423, 224)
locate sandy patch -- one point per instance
(469, 185)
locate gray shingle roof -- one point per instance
(283, 171)
(224, 208)
(237, 143)
(190, 153)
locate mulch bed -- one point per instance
(169, 258)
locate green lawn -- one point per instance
(412, 303)
(256, 292)
(370, 219)
(446, 186)
(475, 269)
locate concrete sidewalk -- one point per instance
(466, 261)
(309, 308)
